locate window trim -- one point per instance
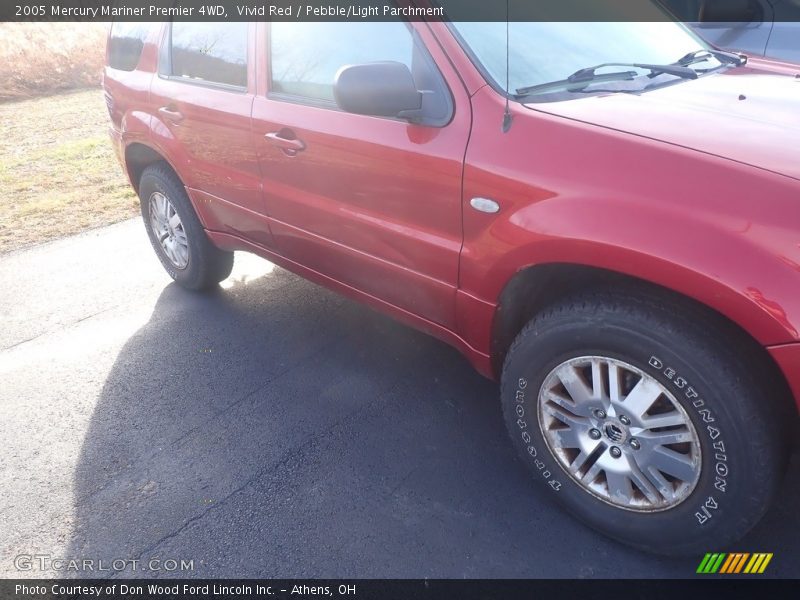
(473, 58)
(302, 100)
(416, 39)
(165, 66)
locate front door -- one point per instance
(372, 202)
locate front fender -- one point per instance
(721, 232)
(746, 272)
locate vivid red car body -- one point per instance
(690, 191)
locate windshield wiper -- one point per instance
(589, 75)
(727, 58)
(677, 70)
(577, 84)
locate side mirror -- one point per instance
(381, 89)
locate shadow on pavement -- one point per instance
(276, 429)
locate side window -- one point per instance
(787, 10)
(684, 10)
(306, 56)
(208, 53)
(734, 11)
(739, 11)
(125, 44)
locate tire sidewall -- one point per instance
(713, 510)
(154, 181)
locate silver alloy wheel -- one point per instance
(619, 433)
(168, 229)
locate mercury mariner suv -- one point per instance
(608, 223)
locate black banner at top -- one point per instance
(381, 10)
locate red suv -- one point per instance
(607, 223)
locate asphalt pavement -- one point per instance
(268, 429)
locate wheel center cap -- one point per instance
(616, 432)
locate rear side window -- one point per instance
(125, 45)
(209, 52)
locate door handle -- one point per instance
(170, 113)
(286, 141)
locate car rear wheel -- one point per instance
(176, 234)
(646, 422)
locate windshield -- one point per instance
(545, 52)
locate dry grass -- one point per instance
(58, 172)
(45, 58)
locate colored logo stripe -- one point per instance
(758, 563)
(703, 563)
(734, 563)
(711, 563)
(741, 562)
(726, 566)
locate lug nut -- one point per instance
(600, 414)
(615, 452)
(635, 444)
(594, 434)
(624, 420)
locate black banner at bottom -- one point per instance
(384, 589)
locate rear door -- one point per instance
(374, 203)
(202, 99)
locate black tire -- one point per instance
(207, 265)
(742, 441)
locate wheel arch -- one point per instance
(536, 287)
(138, 157)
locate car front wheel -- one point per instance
(648, 423)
